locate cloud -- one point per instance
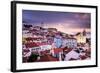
(66, 19)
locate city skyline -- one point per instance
(68, 22)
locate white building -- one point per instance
(26, 35)
(70, 42)
(45, 47)
(25, 31)
(72, 54)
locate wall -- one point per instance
(5, 36)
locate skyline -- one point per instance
(68, 22)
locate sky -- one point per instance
(68, 22)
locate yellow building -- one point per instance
(81, 37)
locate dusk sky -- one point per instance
(68, 22)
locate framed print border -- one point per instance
(14, 34)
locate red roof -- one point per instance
(33, 44)
(30, 45)
(29, 38)
(56, 51)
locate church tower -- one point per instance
(84, 32)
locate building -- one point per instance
(52, 30)
(37, 27)
(81, 37)
(25, 31)
(26, 35)
(69, 42)
(72, 55)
